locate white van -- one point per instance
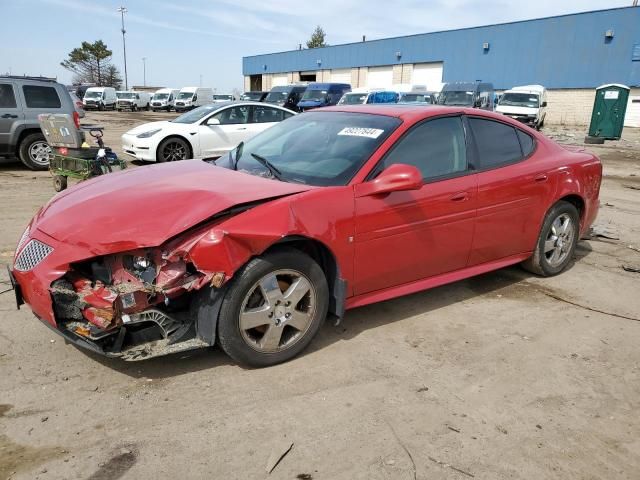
(192, 97)
(163, 99)
(133, 101)
(100, 98)
(527, 104)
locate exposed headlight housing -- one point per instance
(148, 134)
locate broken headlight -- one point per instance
(142, 267)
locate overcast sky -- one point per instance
(183, 39)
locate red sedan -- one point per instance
(326, 211)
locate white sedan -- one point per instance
(207, 131)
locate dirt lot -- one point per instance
(498, 377)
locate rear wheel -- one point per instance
(34, 151)
(173, 149)
(273, 308)
(557, 241)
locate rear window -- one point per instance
(497, 143)
(37, 96)
(526, 142)
(7, 98)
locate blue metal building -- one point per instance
(581, 50)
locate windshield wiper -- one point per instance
(268, 165)
(237, 155)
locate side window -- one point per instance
(233, 115)
(7, 97)
(526, 142)
(287, 115)
(267, 115)
(497, 143)
(436, 147)
(41, 97)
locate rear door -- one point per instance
(10, 114)
(406, 236)
(263, 117)
(513, 187)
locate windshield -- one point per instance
(251, 96)
(196, 114)
(456, 98)
(413, 97)
(160, 96)
(353, 99)
(185, 95)
(277, 97)
(520, 100)
(223, 97)
(314, 95)
(317, 148)
(125, 95)
(93, 94)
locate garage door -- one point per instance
(279, 79)
(341, 75)
(429, 74)
(380, 77)
(632, 117)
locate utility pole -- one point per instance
(144, 71)
(122, 11)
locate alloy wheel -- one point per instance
(277, 311)
(559, 240)
(174, 151)
(39, 153)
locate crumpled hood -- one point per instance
(145, 206)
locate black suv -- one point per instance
(22, 99)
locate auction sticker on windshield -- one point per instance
(361, 132)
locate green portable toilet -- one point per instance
(607, 117)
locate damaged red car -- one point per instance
(326, 211)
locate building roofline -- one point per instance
(446, 31)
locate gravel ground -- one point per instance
(501, 376)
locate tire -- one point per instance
(101, 107)
(541, 124)
(34, 151)
(134, 108)
(287, 273)
(555, 247)
(119, 109)
(173, 149)
(59, 183)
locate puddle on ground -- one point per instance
(4, 408)
(15, 457)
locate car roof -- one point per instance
(413, 112)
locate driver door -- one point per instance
(406, 236)
(223, 131)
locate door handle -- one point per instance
(241, 128)
(459, 197)
(9, 115)
(541, 178)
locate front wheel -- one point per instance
(173, 149)
(273, 308)
(557, 241)
(101, 107)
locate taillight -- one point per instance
(63, 151)
(76, 119)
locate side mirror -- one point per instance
(544, 104)
(213, 121)
(396, 178)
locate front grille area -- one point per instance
(31, 255)
(180, 103)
